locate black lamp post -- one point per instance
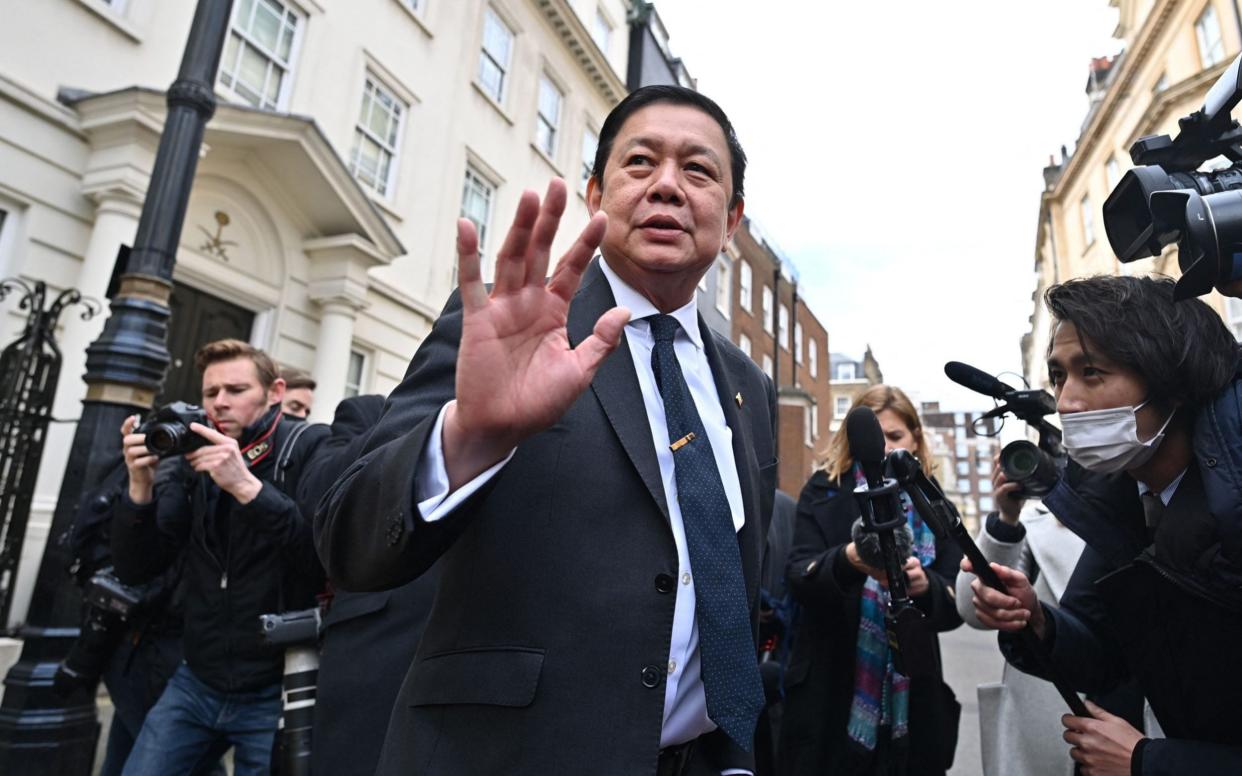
(41, 730)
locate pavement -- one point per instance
(970, 658)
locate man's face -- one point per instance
(666, 190)
(233, 396)
(298, 402)
(1088, 380)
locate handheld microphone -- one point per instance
(912, 644)
(866, 441)
(976, 380)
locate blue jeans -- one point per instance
(193, 723)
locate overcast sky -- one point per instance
(896, 153)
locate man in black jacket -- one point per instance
(248, 551)
(1149, 391)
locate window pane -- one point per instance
(490, 76)
(590, 144)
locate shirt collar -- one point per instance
(640, 306)
(1166, 495)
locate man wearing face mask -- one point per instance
(1149, 392)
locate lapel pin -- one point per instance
(738, 399)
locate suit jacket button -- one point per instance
(664, 583)
(395, 529)
(651, 676)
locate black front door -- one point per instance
(197, 318)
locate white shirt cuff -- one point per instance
(431, 480)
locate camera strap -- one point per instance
(260, 448)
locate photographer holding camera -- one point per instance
(247, 550)
(1150, 397)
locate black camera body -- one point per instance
(1035, 468)
(168, 429)
(1166, 199)
(110, 604)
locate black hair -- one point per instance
(677, 95)
(1182, 350)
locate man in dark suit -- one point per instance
(593, 469)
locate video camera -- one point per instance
(1036, 468)
(168, 429)
(1165, 199)
(110, 603)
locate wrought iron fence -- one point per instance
(29, 369)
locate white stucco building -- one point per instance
(350, 137)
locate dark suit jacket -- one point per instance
(547, 643)
(368, 638)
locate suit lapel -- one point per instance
(616, 383)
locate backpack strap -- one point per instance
(286, 451)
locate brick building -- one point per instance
(751, 296)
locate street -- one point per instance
(971, 658)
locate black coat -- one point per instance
(368, 639)
(266, 562)
(548, 642)
(1143, 612)
(819, 683)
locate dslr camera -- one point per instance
(168, 429)
(110, 604)
(1036, 468)
(1167, 199)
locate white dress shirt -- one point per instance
(685, 706)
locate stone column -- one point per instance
(336, 338)
(338, 283)
(116, 222)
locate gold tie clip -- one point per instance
(680, 443)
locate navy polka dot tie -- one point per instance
(729, 667)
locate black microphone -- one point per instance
(866, 441)
(976, 380)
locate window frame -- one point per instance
(472, 170)
(745, 345)
(588, 161)
(840, 410)
(245, 38)
(782, 325)
(838, 371)
(610, 28)
(768, 300)
(1210, 53)
(362, 386)
(489, 13)
(812, 357)
(390, 184)
(724, 286)
(542, 121)
(798, 342)
(745, 285)
(1087, 216)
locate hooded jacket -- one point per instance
(241, 560)
(1167, 609)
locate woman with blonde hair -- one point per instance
(847, 711)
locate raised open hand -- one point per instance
(516, 372)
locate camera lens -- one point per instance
(165, 438)
(1022, 461)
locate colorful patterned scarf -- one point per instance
(881, 695)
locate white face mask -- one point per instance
(1106, 441)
